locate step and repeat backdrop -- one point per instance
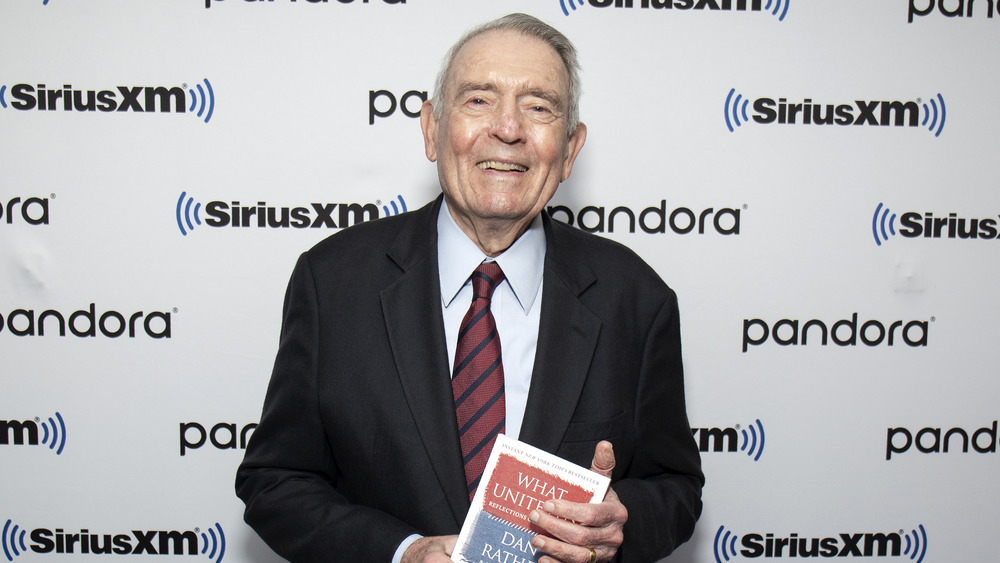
(817, 180)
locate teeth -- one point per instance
(504, 166)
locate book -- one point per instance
(519, 478)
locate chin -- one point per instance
(496, 205)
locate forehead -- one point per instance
(507, 58)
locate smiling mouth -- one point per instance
(502, 166)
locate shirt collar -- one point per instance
(458, 256)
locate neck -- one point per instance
(493, 237)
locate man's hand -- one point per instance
(436, 549)
(574, 528)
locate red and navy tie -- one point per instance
(477, 381)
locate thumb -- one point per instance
(604, 459)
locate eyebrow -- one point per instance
(548, 95)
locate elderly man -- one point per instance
(372, 440)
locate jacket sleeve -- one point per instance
(661, 487)
(289, 477)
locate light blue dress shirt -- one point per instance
(516, 306)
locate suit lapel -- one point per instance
(567, 338)
(412, 312)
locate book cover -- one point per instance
(519, 478)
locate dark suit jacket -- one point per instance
(357, 445)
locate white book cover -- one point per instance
(519, 478)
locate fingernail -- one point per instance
(533, 516)
(538, 542)
(549, 506)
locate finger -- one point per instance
(559, 552)
(562, 533)
(430, 550)
(604, 459)
(448, 542)
(606, 513)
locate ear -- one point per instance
(428, 124)
(573, 146)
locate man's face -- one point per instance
(501, 144)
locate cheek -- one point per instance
(462, 137)
(551, 150)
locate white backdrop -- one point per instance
(130, 433)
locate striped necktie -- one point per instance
(477, 381)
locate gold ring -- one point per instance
(593, 555)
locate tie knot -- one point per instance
(485, 279)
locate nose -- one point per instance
(508, 123)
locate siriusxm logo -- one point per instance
(85, 323)
(199, 101)
(913, 224)
(860, 112)
(187, 213)
(224, 436)
(748, 440)
(208, 3)
(924, 7)
(912, 545)
(929, 440)
(210, 543)
(777, 8)
(652, 220)
(845, 332)
(32, 210)
(25, 433)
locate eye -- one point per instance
(477, 101)
(540, 112)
